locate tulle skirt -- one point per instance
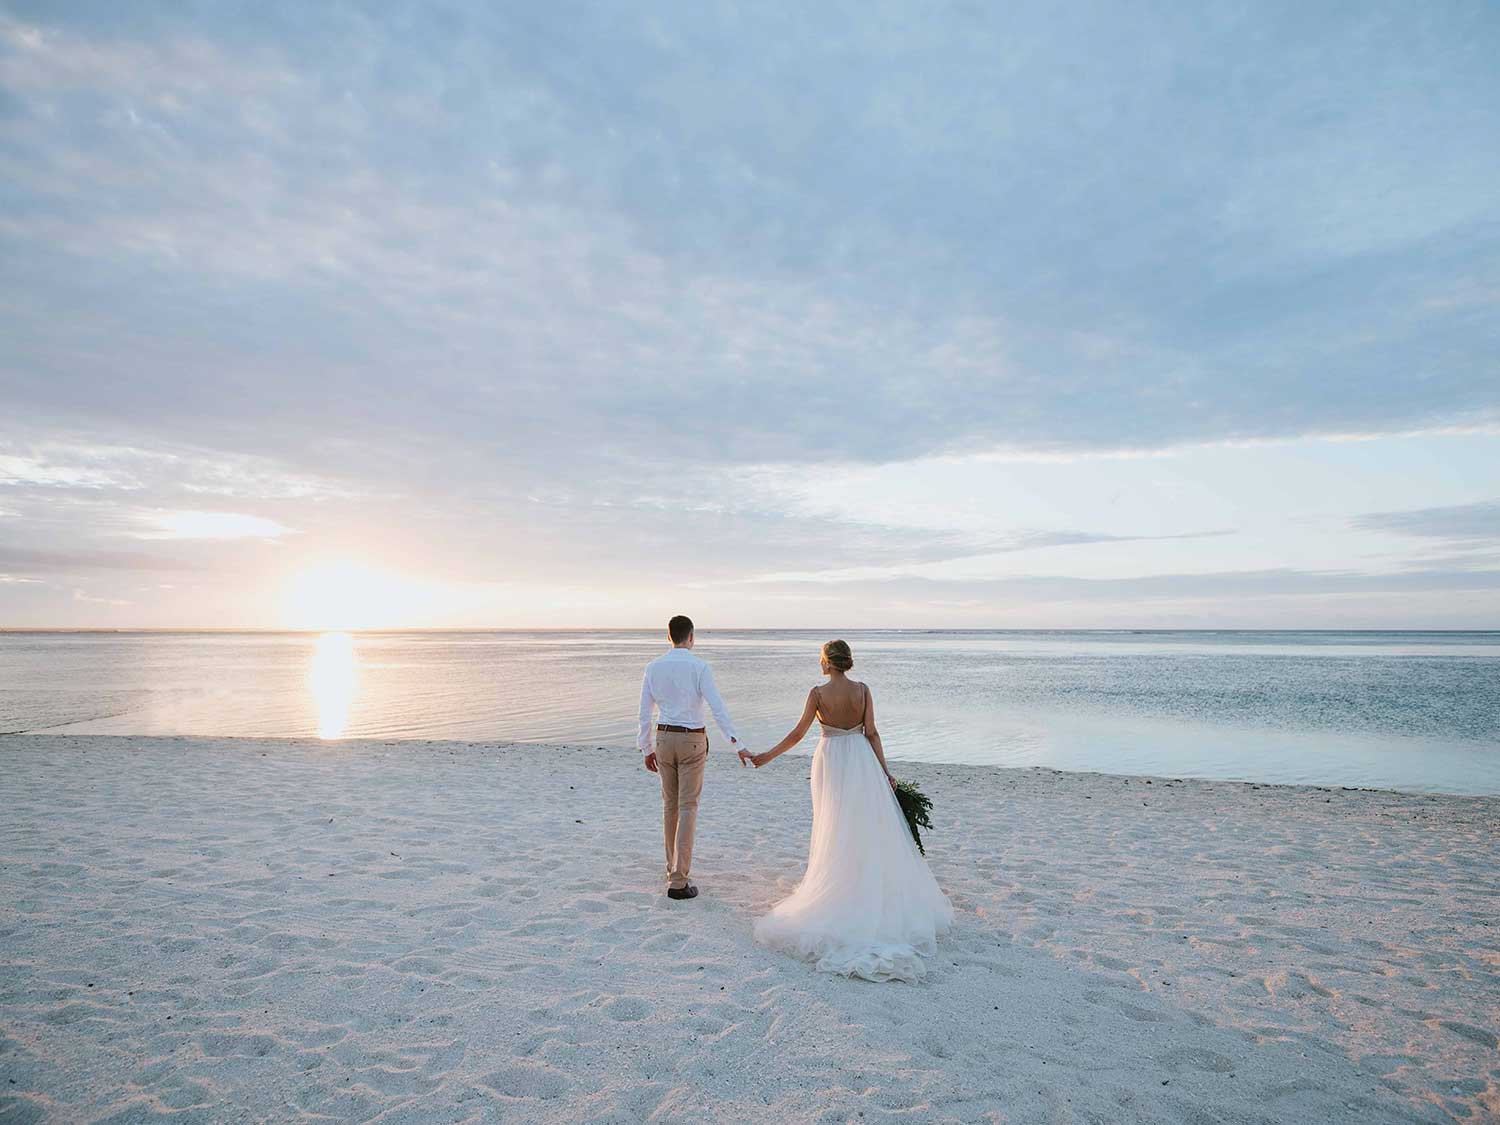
(867, 905)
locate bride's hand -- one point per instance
(891, 779)
(759, 760)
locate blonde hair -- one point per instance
(838, 655)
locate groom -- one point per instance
(677, 684)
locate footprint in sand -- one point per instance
(527, 1081)
(986, 963)
(634, 898)
(1195, 1058)
(189, 1093)
(936, 1047)
(237, 1046)
(1470, 1032)
(627, 1009)
(1128, 1010)
(396, 1081)
(422, 966)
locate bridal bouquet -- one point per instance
(915, 805)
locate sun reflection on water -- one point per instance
(333, 682)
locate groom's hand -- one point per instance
(651, 761)
(747, 758)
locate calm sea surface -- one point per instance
(1417, 711)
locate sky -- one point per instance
(831, 316)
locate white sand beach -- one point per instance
(209, 930)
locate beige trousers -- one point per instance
(680, 759)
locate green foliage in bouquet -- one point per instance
(915, 805)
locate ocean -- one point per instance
(1404, 710)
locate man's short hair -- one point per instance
(680, 628)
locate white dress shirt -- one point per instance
(677, 684)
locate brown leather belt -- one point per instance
(680, 730)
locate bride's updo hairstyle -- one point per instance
(838, 655)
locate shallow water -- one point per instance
(1403, 710)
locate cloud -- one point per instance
(26, 471)
(1033, 540)
(209, 525)
(1274, 582)
(31, 562)
(81, 595)
(501, 230)
(1478, 522)
(937, 547)
(63, 465)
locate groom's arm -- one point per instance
(643, 735)
(710, 692)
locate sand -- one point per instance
(215, 930)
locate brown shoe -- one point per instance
(688, 891)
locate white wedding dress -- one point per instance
(867, 905)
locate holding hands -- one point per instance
(758, 760)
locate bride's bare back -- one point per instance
(841, 699)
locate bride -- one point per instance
(867, 905)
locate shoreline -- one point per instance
(363, 742)
(295, 927)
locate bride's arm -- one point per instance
(796, 735)
(874, 735)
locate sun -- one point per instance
(347, 596)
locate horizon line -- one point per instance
(287, 631)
